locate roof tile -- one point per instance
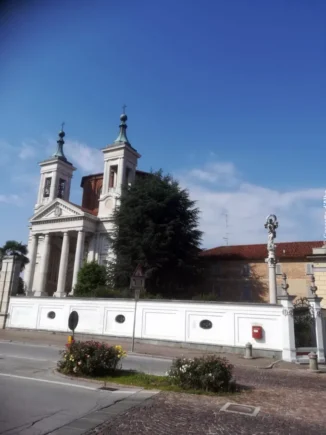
(259, 252)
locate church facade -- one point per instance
(63, 235)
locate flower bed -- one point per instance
(210, 373)
(90, 358)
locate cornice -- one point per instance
(92, 219)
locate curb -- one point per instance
(30, 343)
(170, 358)
(88, 423)
(103, 383)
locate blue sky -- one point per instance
(229, 96)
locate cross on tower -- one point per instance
(124, 109)
(62, 125)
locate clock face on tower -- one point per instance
(109, 204)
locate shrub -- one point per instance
(210, 373)
(91, 276)
(90, 358)
(206, 297)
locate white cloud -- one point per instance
(219, 189)
(85, 158)
(11, 199)
(224, 173)
(7, 151)
(27, 179)
(27, 151)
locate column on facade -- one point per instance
(97, 247)
(40, 190)
(105, 178)
(121, 172)
(272, 277)
(315, 304)
(44, 266)
(63, 266)
(53, 189)
(29, 276)
(78, 257)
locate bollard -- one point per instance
(313, 362)
(248, 351)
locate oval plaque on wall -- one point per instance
(120, 318)
(206, 324)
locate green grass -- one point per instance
(150, 382)
(136, 379)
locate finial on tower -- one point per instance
(122, 138)
(59, 153)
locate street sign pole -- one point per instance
(137, 293)
(137, 283)
(72, 324)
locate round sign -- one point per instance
(73, 320)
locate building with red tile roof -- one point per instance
(240, 272)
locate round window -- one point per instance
(51, 314)
(120, 318)
(206, 324)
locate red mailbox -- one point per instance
(257, 332)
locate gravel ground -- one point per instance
(291, 403)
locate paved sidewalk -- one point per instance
(60, 339)
(288, 406)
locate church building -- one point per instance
(63, 235)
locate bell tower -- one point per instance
(120, 163)
(56, 175)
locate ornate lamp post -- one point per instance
(271, 224)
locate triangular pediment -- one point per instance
(58, 209)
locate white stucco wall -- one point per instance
(156, 320)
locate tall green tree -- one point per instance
(12, 247)
(156, 225)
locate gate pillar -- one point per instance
(289, 352)
(316, 308)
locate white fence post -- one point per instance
(9, 275)
(289, 352)
(316, 308)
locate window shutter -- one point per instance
(309, 269)
(246, 291)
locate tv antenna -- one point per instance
(226, 238)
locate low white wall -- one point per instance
(155, 320)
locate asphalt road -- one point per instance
(35, 400)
